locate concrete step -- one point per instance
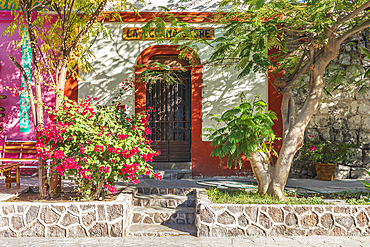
(172, 174)
(171, 165)
(164, 200)
(176, 174)
(138, 230)
(164, 191)
(163, 215)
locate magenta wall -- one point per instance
(9, 75)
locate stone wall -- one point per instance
(69, 219)
(229, 220)
(340, 118)
(343, 117)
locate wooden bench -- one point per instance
(18, 148)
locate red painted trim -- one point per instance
(140, 88)
(191, 17)
(274, 103)
(157, 50)
(71, 89)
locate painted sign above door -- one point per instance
(135, 33)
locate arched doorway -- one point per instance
(171, 121)
(195, 71)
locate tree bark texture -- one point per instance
(42, 174)
(272, 179)
(55, 183)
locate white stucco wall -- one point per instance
(115, 59)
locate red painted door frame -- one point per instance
(196, 89)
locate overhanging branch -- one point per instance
(354, 13)
(353, 31)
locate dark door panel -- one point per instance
(171, 121)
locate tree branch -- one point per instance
(84, 31)
(353, 31)
(298, 65)
(354, 13)
(40, 5)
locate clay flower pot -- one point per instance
(325, 171)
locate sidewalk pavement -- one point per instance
(299, 185)
(187, 241)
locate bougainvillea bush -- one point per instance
(96, 145)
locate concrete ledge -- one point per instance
(230, 220)
(66, 219)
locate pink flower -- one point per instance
(104, 169)
(310, 136)
(82, 149)
(59, 154)
(147, 131)
(158, 176)
(122, 136)
(148, 171)
(312, 148)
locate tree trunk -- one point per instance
(99, 188)
(43, 186)
(272, 178)
(61, 81)
(55, 187)
(55, 183)
(294, 135)
(262, 170)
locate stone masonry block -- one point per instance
(17, 222)
(226, 218)
(32, 213)
(116, 229)
(99, 230)
(76, 232)
(359, 173)
(264, 221)
(345, 221)
(48, 216)
(8, 210)
(69, 219)
(114, 212)
(55, 231)
(206, 215)
(276, 214)
(327, 220)
(342, 172)
(36, 229)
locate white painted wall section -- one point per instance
(115, 59)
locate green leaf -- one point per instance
(236, 136)
(265, 132)
(260, 103)
(365, 51)
(217, 141)
(229, 147)
(246, 105)
(217, 152)
(367, 73)
(229, 163)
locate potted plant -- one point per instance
(326, 155)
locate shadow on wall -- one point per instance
(113, 64)
(222, 89)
